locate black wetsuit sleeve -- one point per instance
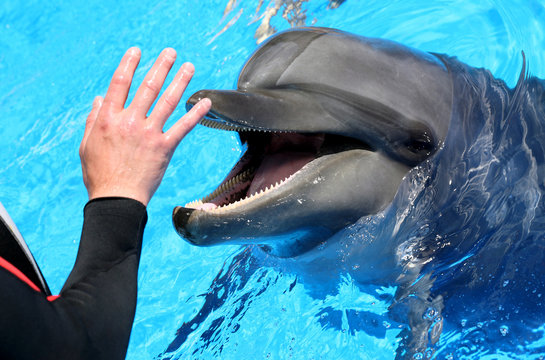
(92, 318)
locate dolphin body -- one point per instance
(333, 122)
(413, 170)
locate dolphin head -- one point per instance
(332, 123)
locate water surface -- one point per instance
(56, 56)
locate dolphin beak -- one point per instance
(195, 98)
(260, 109)
(227, 105)
(180, 215)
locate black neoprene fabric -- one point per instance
(93, 316)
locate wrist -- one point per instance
(139, 196)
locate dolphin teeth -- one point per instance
(193, 204)
(220, 125)
(247, 199)
(229, 185)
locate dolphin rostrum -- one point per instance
(332, 122)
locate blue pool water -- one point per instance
(222, 302)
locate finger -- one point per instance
(172, 95)
(121, 81)
(180, 129)
(153, 82)
(90, 122)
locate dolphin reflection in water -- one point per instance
(397, 166)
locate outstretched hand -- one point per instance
(124, 152)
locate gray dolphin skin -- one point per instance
(332, 122)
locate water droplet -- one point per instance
(504, 330)
(436, 329)
(429, 314)
(429, 353)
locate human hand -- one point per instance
(124, 152)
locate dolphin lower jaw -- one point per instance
(302, 211)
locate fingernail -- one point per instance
(188, 68)
(170, 52)
(206, 102)
(133, 51)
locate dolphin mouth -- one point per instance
(271, 158)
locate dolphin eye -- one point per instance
(421, 143)
(417, 146)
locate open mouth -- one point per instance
(270, 161)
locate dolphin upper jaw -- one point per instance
(302, 109)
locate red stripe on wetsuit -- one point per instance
(12, 269)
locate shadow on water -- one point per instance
(230, 281)
(247, 277)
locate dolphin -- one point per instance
(332, 122)
(346, 119)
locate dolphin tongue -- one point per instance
(277, 167)
(269, 159)
(285, 154)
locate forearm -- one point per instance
(93, 316)
(101, 289)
